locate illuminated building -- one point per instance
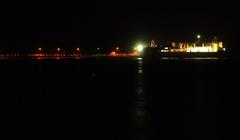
(193, 47)
(190, 47)
(153, 44)
(187, 49)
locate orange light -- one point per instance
(40, 49)
(78, 49)
(113, 53)
(58, 49)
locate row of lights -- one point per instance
(139, 48)
(77, 49)
(58, 49)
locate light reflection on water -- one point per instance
(140, 111)
(202, 58)
(190, 58)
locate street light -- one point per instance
(117, 49)
(39, 51)
(198, 36)
(77, 53)
(58, 51)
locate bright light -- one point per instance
(200, 49)
(140, 48)
(39, 49)
(198, 36)
(164, 50)
(113, 53)
(221, 44)
(58, 49)
(78, 49)
(117, 48)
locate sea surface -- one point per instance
(108, 98)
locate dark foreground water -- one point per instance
(119, 99)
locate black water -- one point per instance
(118, 99)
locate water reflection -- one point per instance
(190, 58)
(140, 111)
(202, 58)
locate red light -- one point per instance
(113, 53)
(78, 49)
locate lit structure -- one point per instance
(166, 49)
(193, 47)
(189, 47)
(153, 44)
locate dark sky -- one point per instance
(108, 24)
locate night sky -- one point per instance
(104, 24)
